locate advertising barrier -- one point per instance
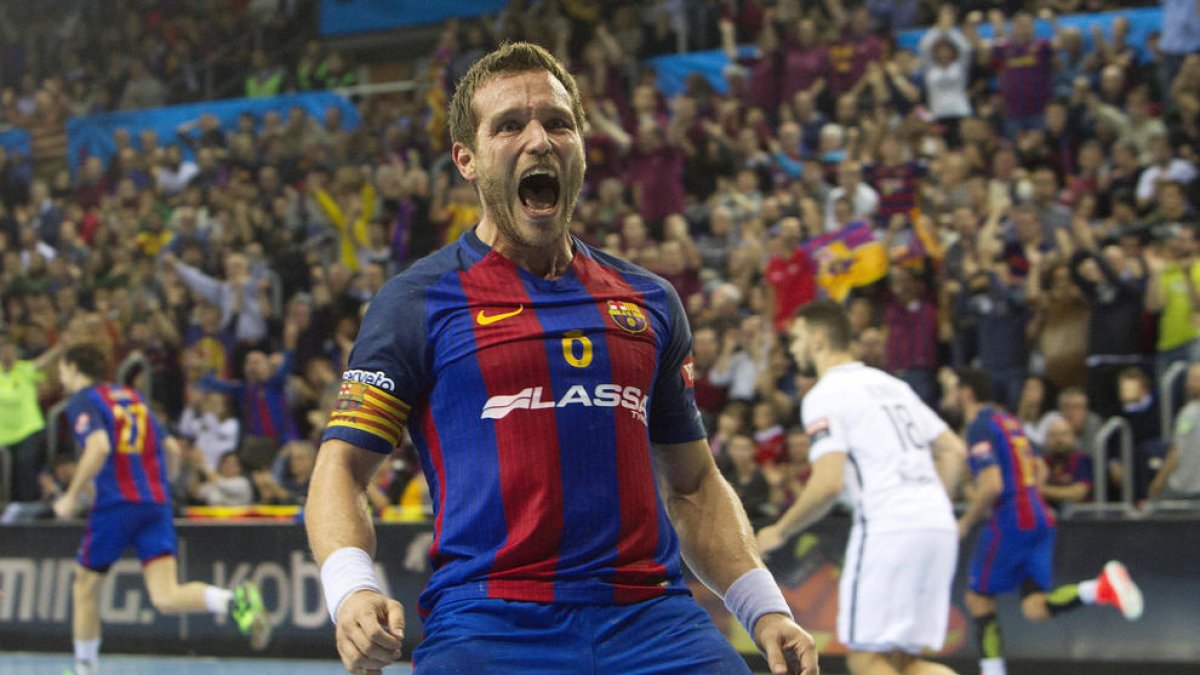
(36, 564)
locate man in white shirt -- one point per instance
(897, 461)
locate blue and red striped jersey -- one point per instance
(136, 469)
(263, 405)
(533, 404)
(996, 438)
(898, 187)
(1026, 74)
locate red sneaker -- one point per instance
(1117, 589)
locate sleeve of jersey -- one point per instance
(386, 372)
(85, 418)
(981, 448)
(674, 417)
(826, 432)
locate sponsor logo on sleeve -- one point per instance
(981, 449)
(375, 378)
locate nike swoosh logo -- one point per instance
(485, 320)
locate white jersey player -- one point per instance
(874, 439)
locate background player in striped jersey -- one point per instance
(125, 454)
(1016, 548)
(873, 438)
(548, 390)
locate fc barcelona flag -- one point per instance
(847, 258)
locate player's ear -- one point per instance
(464, 159)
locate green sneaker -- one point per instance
(82, 668)
(251, 617)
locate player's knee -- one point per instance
(163, 601)
(861, 663)
(978, 605)
(86, 582)
(1033, 608)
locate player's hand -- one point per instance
(788, 647)
(370, 631)
(64, 506)
(770, 538)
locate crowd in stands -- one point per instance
(1022, 204)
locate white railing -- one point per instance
(1166, 396)
(1114, 425)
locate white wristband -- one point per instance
(754, 594)
(345, 571)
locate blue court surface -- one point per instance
(116, 664)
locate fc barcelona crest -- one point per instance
(350, 396)
(627, 316)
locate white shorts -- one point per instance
(894, 593)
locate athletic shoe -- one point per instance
(1117, 589)
(82, 668)
(250, 616)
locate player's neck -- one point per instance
(549, 262)
(829, 360)
(971, 411)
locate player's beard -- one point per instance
(498, 193)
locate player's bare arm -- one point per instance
(814, 502)
(370, 626)
(988, 486)
(95, 452)
(717, 543)
(950, 459)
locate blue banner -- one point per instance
(15, 140)
(93, 135)
(672, 72)
(345, 17)
(1142, 22)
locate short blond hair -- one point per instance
(512, 57)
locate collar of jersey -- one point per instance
(849, 365)
(477, 249)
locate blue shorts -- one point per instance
(669, 634)
(1004, 560)
(150, 528)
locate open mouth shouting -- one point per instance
(539, 191)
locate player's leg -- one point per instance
(171, 597)
(155, 542)
(910, 664)
(988, 637)
(85, 618)
(105, 539)
(870, 663)
(997, 566)
(1112, 587)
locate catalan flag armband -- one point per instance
(367, 416)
